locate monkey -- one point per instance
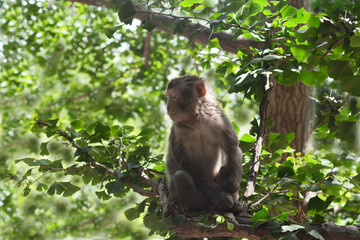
(204, 161)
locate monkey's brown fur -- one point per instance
(203, 162)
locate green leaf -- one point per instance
(236, 127)
(141, 206)
(27, 191)
(255, 8)
(288, 11)
(126, 12)
(146, 132)
(355, 41)
(230, 226)
(313, 188)
(314, 21)
(282, 216)
(210, 3)
(133, 165)
(70, 189)
(339, 69)
(25, 160)
(261, 215)
(152, 206)
(299, 52)
(317, 204)
(289, 236)
(291, 228)
(219, 219)
(284, 181)
(114, 187)
(43, 149)
(315, 234)
(41, 187)
(148, 24)
(307, 34)
(57, 188)
(189, 3)
(312, 77)
(285, 171)
(102, 195)
(131, 214)
(50, 122)
(40, 162)
(248, 138)
(109, 33)
(102, 131)
(77, 124)
(154, 223)
(81, 151)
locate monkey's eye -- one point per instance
(172, 95)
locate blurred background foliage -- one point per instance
(70, 61)
(64, 60)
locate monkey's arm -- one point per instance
(230, 174)
(179, 161)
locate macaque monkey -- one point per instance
(203, 164)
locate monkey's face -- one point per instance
(179, 108)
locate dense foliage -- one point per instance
(100, 125)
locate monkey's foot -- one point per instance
(240, 209)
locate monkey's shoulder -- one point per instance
(206, 130)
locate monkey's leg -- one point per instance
(185, 193)
(217, 197)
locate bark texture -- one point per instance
(328, 231)
(290, 108)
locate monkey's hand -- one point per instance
(223, 201)
(229, 181)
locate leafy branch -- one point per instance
(113, 173)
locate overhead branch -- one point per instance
(203, 34)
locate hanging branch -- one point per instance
(147, 48)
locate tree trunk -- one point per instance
(290, 109)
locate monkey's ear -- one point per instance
(200, 89)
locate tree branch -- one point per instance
(190, 229)
(147, 48)
(256, 157)
(203, 36)
(142, 176)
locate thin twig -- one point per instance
(147, 170)
(256, 157)
(327, 118)
(69, 169)
(264, 197)
(331, 48)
